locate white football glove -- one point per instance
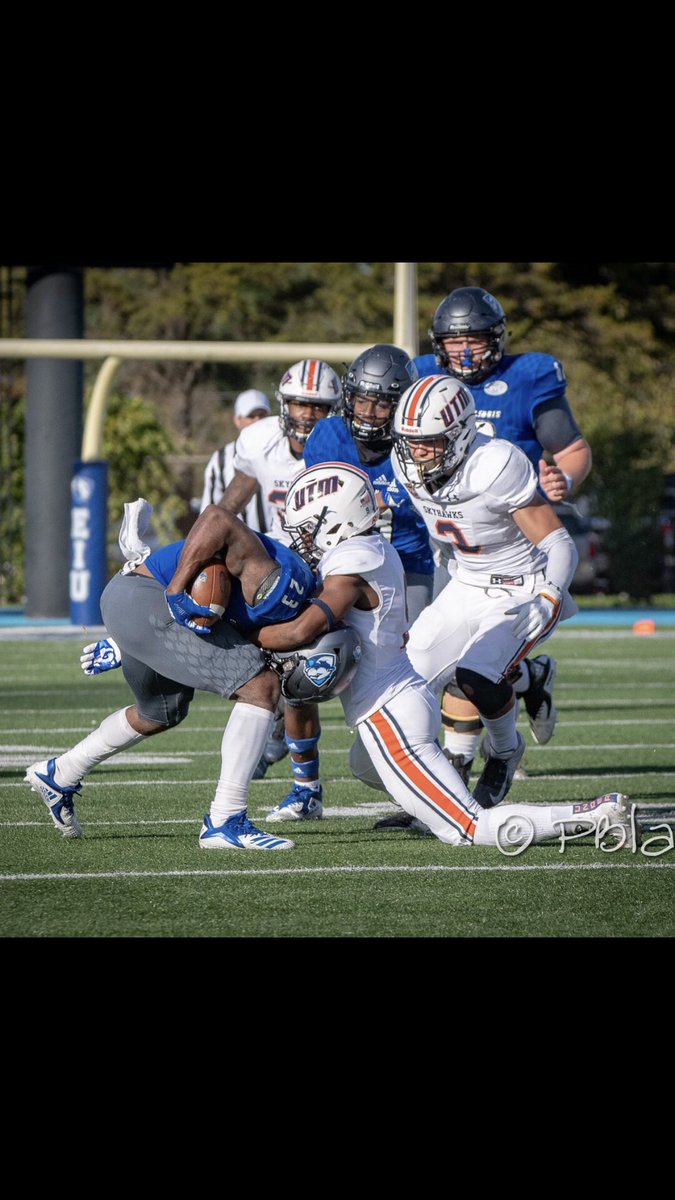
(532, 618)
(100, 656)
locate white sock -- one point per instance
(465, 744)
(113, 734)
(502, 733)
(511, 825)
(242, 747)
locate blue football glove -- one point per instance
(100, 656)
(182, 607)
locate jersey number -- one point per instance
(448, 529)
(288, 600)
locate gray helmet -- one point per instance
(384, 372)
(469, 310)
(321, 670)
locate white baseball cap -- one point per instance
(248, 402)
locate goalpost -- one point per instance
(88, 563)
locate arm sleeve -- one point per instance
(555, 426)
(562, 558)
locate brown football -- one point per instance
(211, 586)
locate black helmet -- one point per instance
(470, 310)
(321, 670)
(384, 372)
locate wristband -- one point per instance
(327, 610)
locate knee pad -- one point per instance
(473, 725)
(487, 696)
(450, 721)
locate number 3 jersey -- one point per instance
(472, 512)
(384, 669)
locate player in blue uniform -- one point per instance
(281, 595)
(164, 660)
(361, 437)
(521, 398)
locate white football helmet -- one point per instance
(327, 504)
(309, 382)
(435, 407)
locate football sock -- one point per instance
(241, 749)
(512, 825)
(113, 734)
(465, 744)
(502, 733)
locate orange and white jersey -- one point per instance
(262, 451)
(473, 510)
(394, 710)
(385, 668)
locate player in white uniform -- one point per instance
(515, 561)
(268, 454)
(330, 513)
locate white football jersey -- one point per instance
(472, 512)
(262, 451)
(385, 668)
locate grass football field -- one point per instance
(138, 871)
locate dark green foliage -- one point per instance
(627, 481)
(611, 324)
(136, 445)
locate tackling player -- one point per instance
(331, 511)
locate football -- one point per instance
(211, 587)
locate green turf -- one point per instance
(141, 820)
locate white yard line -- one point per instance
(378, 870)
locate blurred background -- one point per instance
(611, 324)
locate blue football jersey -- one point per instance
(293, 588)
(331, 441)
(507, 401)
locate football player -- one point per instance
(361, 435)
(331, 514)
(164, 660)
(521, 398)
(267, 455)
(514, 558)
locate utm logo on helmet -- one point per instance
(436, 407)
(325, 505)
(432, 406)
